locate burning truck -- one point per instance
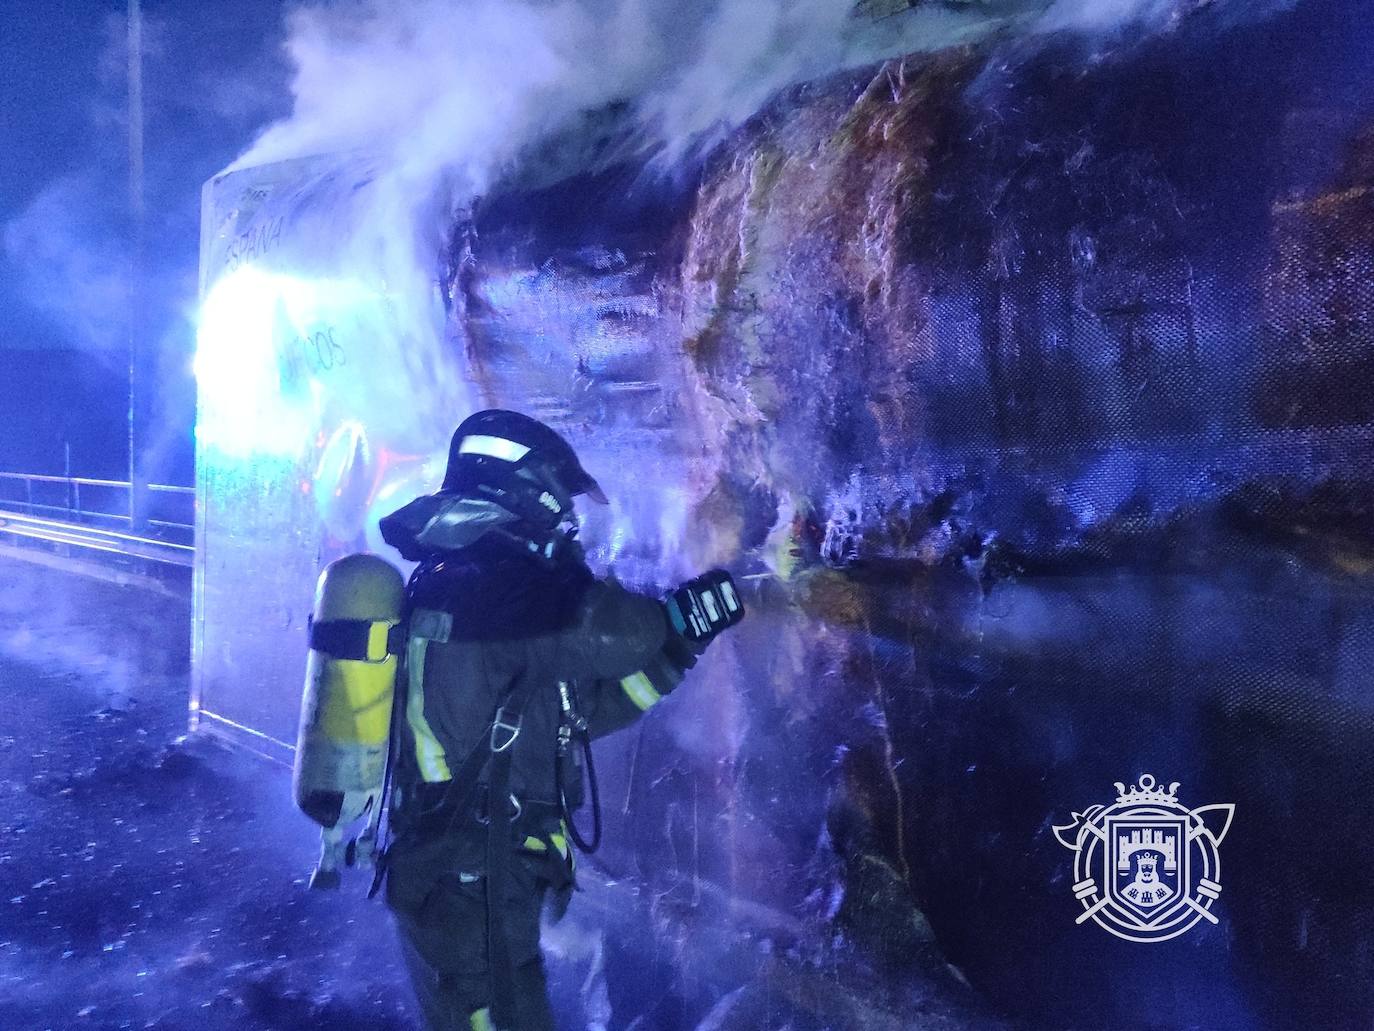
(1024, 404)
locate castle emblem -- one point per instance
(1145, 868)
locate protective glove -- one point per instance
(704, 606)
(681, 654)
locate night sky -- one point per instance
(214, 74)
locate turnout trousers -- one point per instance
(442, 920)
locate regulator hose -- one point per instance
(582, 843)
(588, 846)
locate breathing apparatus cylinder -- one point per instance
(350, 684)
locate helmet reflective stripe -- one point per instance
(429, 754)
(640, 689)
(493, 447)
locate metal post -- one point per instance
(137, 477)
(67, 472)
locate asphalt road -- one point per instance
(145, 881)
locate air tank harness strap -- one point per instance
(362, 640)
(504, 731)
(434, 808)
(432, 812)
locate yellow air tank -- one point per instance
(350, 682)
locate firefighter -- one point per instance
(516, 656)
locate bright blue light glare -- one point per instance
(247, 406)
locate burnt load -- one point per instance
(1031, 400)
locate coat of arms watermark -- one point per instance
(1146, 868)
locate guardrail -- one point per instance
(103, 502)
(96, 515)
(92, 538)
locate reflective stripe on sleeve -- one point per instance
(641, 690)
(429, 754)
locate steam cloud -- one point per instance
(464, 88)
(451, 96)
(71, 267)
(1105, 17)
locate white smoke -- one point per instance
(433, 87)
(1106, 15)
(1110, 17)
(457, 91)
(745, 53)
(451, 94)
(71, 264)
